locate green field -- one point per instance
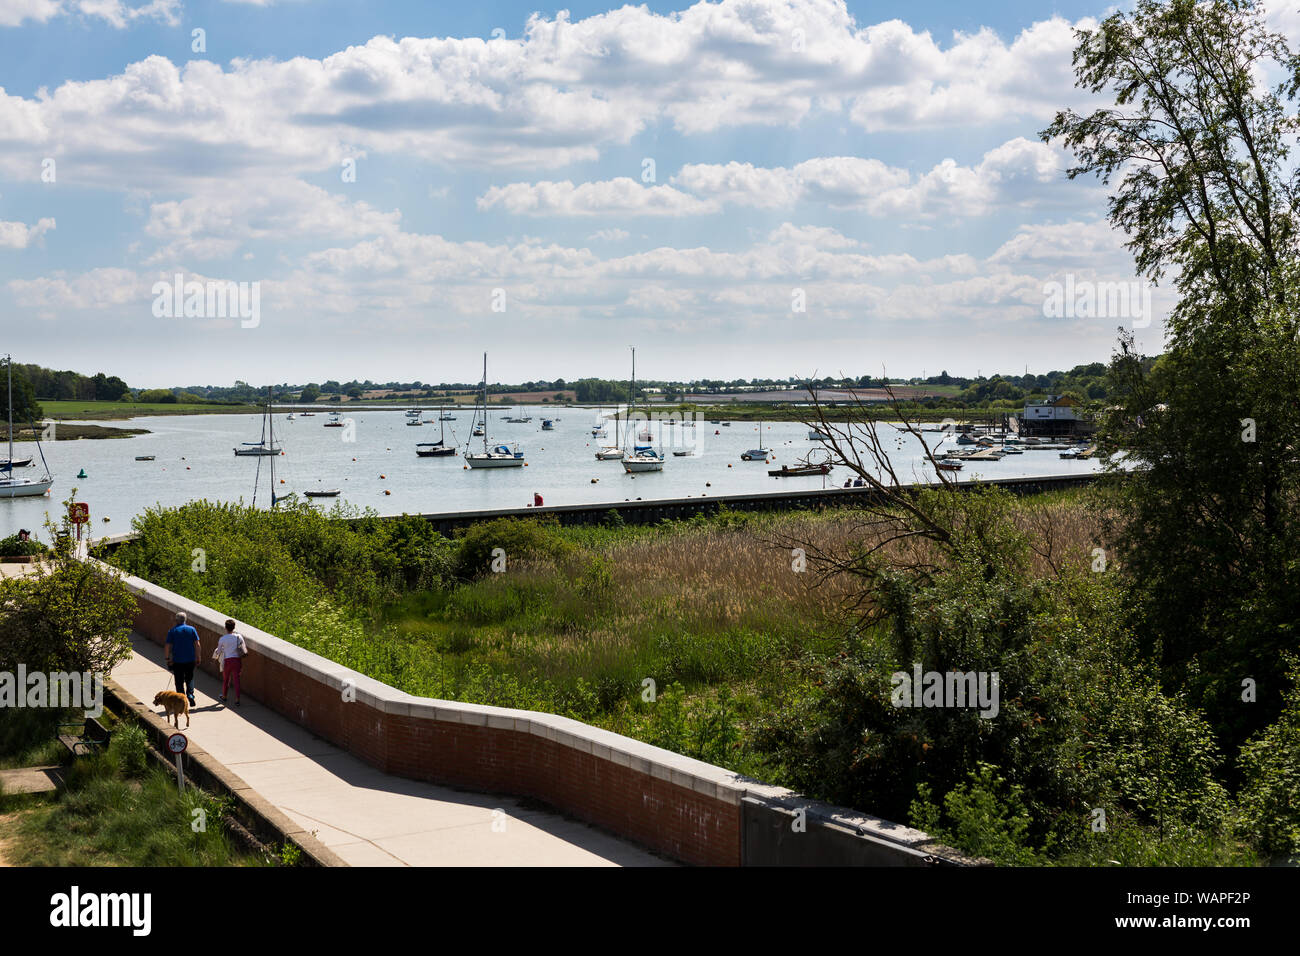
(110, 410)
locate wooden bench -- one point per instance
(81, 739)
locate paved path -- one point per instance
(367, 817)
(30, 779)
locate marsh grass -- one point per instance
(582, 617)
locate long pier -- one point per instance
(656, 510)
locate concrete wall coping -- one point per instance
(696, 775)
(688, 772)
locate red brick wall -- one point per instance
(678, 822)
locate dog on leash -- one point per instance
(174, 705)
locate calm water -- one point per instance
(195, 459)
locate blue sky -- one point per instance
(879, 162)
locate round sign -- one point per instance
(177, 743)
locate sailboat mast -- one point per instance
(485, 448)
(9, 365)
(270, 430)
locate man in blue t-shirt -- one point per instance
(182, 655)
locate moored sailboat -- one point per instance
(11, 487)
(498, 456)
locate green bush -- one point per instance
(11, 547)
(521, 539)
(1270, 768)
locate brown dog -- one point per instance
(174, 705)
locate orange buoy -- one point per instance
(383, 477)
(281, 481)
(387, 492)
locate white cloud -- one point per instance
(19, 235)
(609, 235)
(620, 196)
(216, 224)
(113, 12)
(561, 93)
(1017, 173)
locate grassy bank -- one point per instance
(117, 808)
(70, 433)
(90, 411)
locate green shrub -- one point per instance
(130, 747)
(11, 547)
(521, 539)
(1270, 766)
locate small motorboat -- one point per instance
(948, 464)
(144, 457)
(323, 493)
(415, 421)
(785, 471)
(756, 454)
(689, 452)
(15, 463)
(548, 425)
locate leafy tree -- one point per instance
(26, 408)
(309, 394)
(68, 616)
(1204, 189)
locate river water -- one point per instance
(374, 464)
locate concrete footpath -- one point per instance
(367, 817)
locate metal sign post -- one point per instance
(79, 514)
(177, 743)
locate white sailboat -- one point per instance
(612, 452)
(497, 456)
(760, 453)
(268, 442)
(11, 487)
(643, 457)
(267, 446)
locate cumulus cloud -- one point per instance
(19, 235)
(215, 225)
(621, 196)
(561, 93)
(1019, 172)
(113, 12)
